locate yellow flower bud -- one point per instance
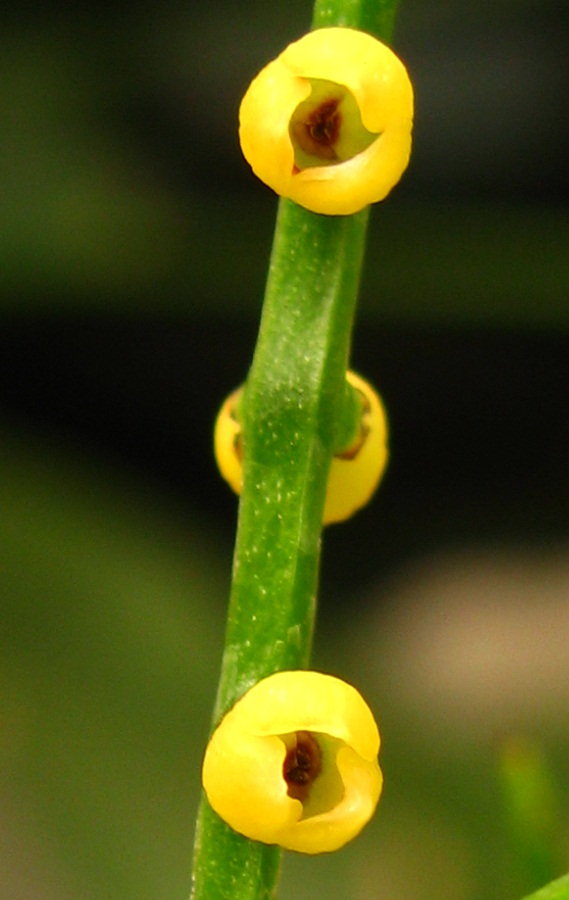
(295, 763)
(328, 123)
(354, 473)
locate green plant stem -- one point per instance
(375, 16)
(293, 402)
(296, 412)
(294, 395)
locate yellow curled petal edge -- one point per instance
(294, 763)
(356, 472)
(357, 110)
(227, 442)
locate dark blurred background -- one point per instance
(133, 251)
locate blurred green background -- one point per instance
(133, 251)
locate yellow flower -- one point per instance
(295, 763)
(354, 473)
(328, 123)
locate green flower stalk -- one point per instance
(296, 412)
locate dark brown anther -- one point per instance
(302, 765)
(238, 446)
(324, 123)
(318, 133)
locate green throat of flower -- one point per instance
(327, 128)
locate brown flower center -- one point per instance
(319, 131)
(302, 765)
(327, 129)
